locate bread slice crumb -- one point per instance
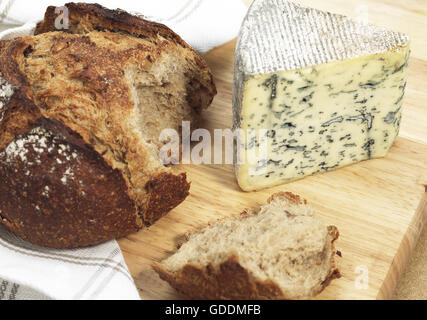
(281, 251)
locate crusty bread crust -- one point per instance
(58, 192)
(230, 280)
(288, 196)
(165, 192)
(77, 82)
(85, 17)
(92, 16)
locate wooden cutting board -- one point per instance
(377, 205)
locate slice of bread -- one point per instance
(281, 251)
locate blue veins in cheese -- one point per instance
(313, 92)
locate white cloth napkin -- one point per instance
(204, 24)
(31, 272)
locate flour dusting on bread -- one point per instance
(6, 92)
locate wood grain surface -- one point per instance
(378, 205)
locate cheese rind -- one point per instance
(317, 118)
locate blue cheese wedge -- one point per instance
(313, 92)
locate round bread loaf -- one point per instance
(81, 111)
